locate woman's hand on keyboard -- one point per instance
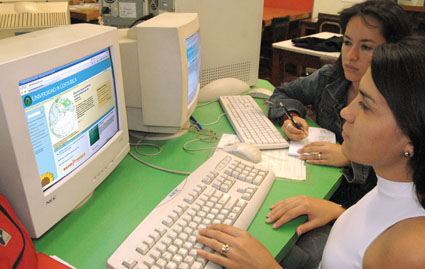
(292, 132)
(318, 211)
(244, 252)
(330, 154)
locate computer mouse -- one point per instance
(223, 86)
(260, 93)
(244, 151)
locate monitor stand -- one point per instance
(80, 204)
(161, 136)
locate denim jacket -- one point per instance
(327, 93)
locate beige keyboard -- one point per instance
(225, 189)
(250, 123)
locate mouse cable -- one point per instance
(157, 167)
(205, 103)
(214, 122)
(136, 148)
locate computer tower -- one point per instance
(125, 13)
(230, 31)
(230, 37)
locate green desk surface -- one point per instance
(87, 237)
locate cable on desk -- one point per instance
(214, 122)
(204, 104)
(157, 167)
(203, 134)
(219, 116)
(139, 143)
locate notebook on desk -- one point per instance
(314, 134)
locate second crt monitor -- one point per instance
(161, 62)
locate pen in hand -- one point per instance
(296, 124)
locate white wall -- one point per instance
(331, 6)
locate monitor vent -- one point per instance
(33, 19)
(240, 71)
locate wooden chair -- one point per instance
(323, 23)
(278, 31)
(328, 23)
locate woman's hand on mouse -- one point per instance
(324, 153)
(292, 132)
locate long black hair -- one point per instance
(398, 71)
(394, 22)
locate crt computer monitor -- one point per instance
(63, 126)
(161, 61)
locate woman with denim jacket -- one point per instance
(332, 87)
(329, 90)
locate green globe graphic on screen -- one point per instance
(62, 117)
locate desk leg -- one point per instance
(302, 29)
(301, 60)
(278, 68)
(300, 71)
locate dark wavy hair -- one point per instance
(398, 71)
(394, 21)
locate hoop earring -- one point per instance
(406, 154)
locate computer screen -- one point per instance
(63, 121)
(161, 69)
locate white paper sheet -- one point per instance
(314, 134)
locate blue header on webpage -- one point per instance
(48, 73)
(34, 98)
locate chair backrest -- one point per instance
(328, 23)
(280, 28)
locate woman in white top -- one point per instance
(384, 128)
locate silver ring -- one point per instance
(224, 249)
(319, 156)
(287, 126)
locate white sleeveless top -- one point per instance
(353, 232)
